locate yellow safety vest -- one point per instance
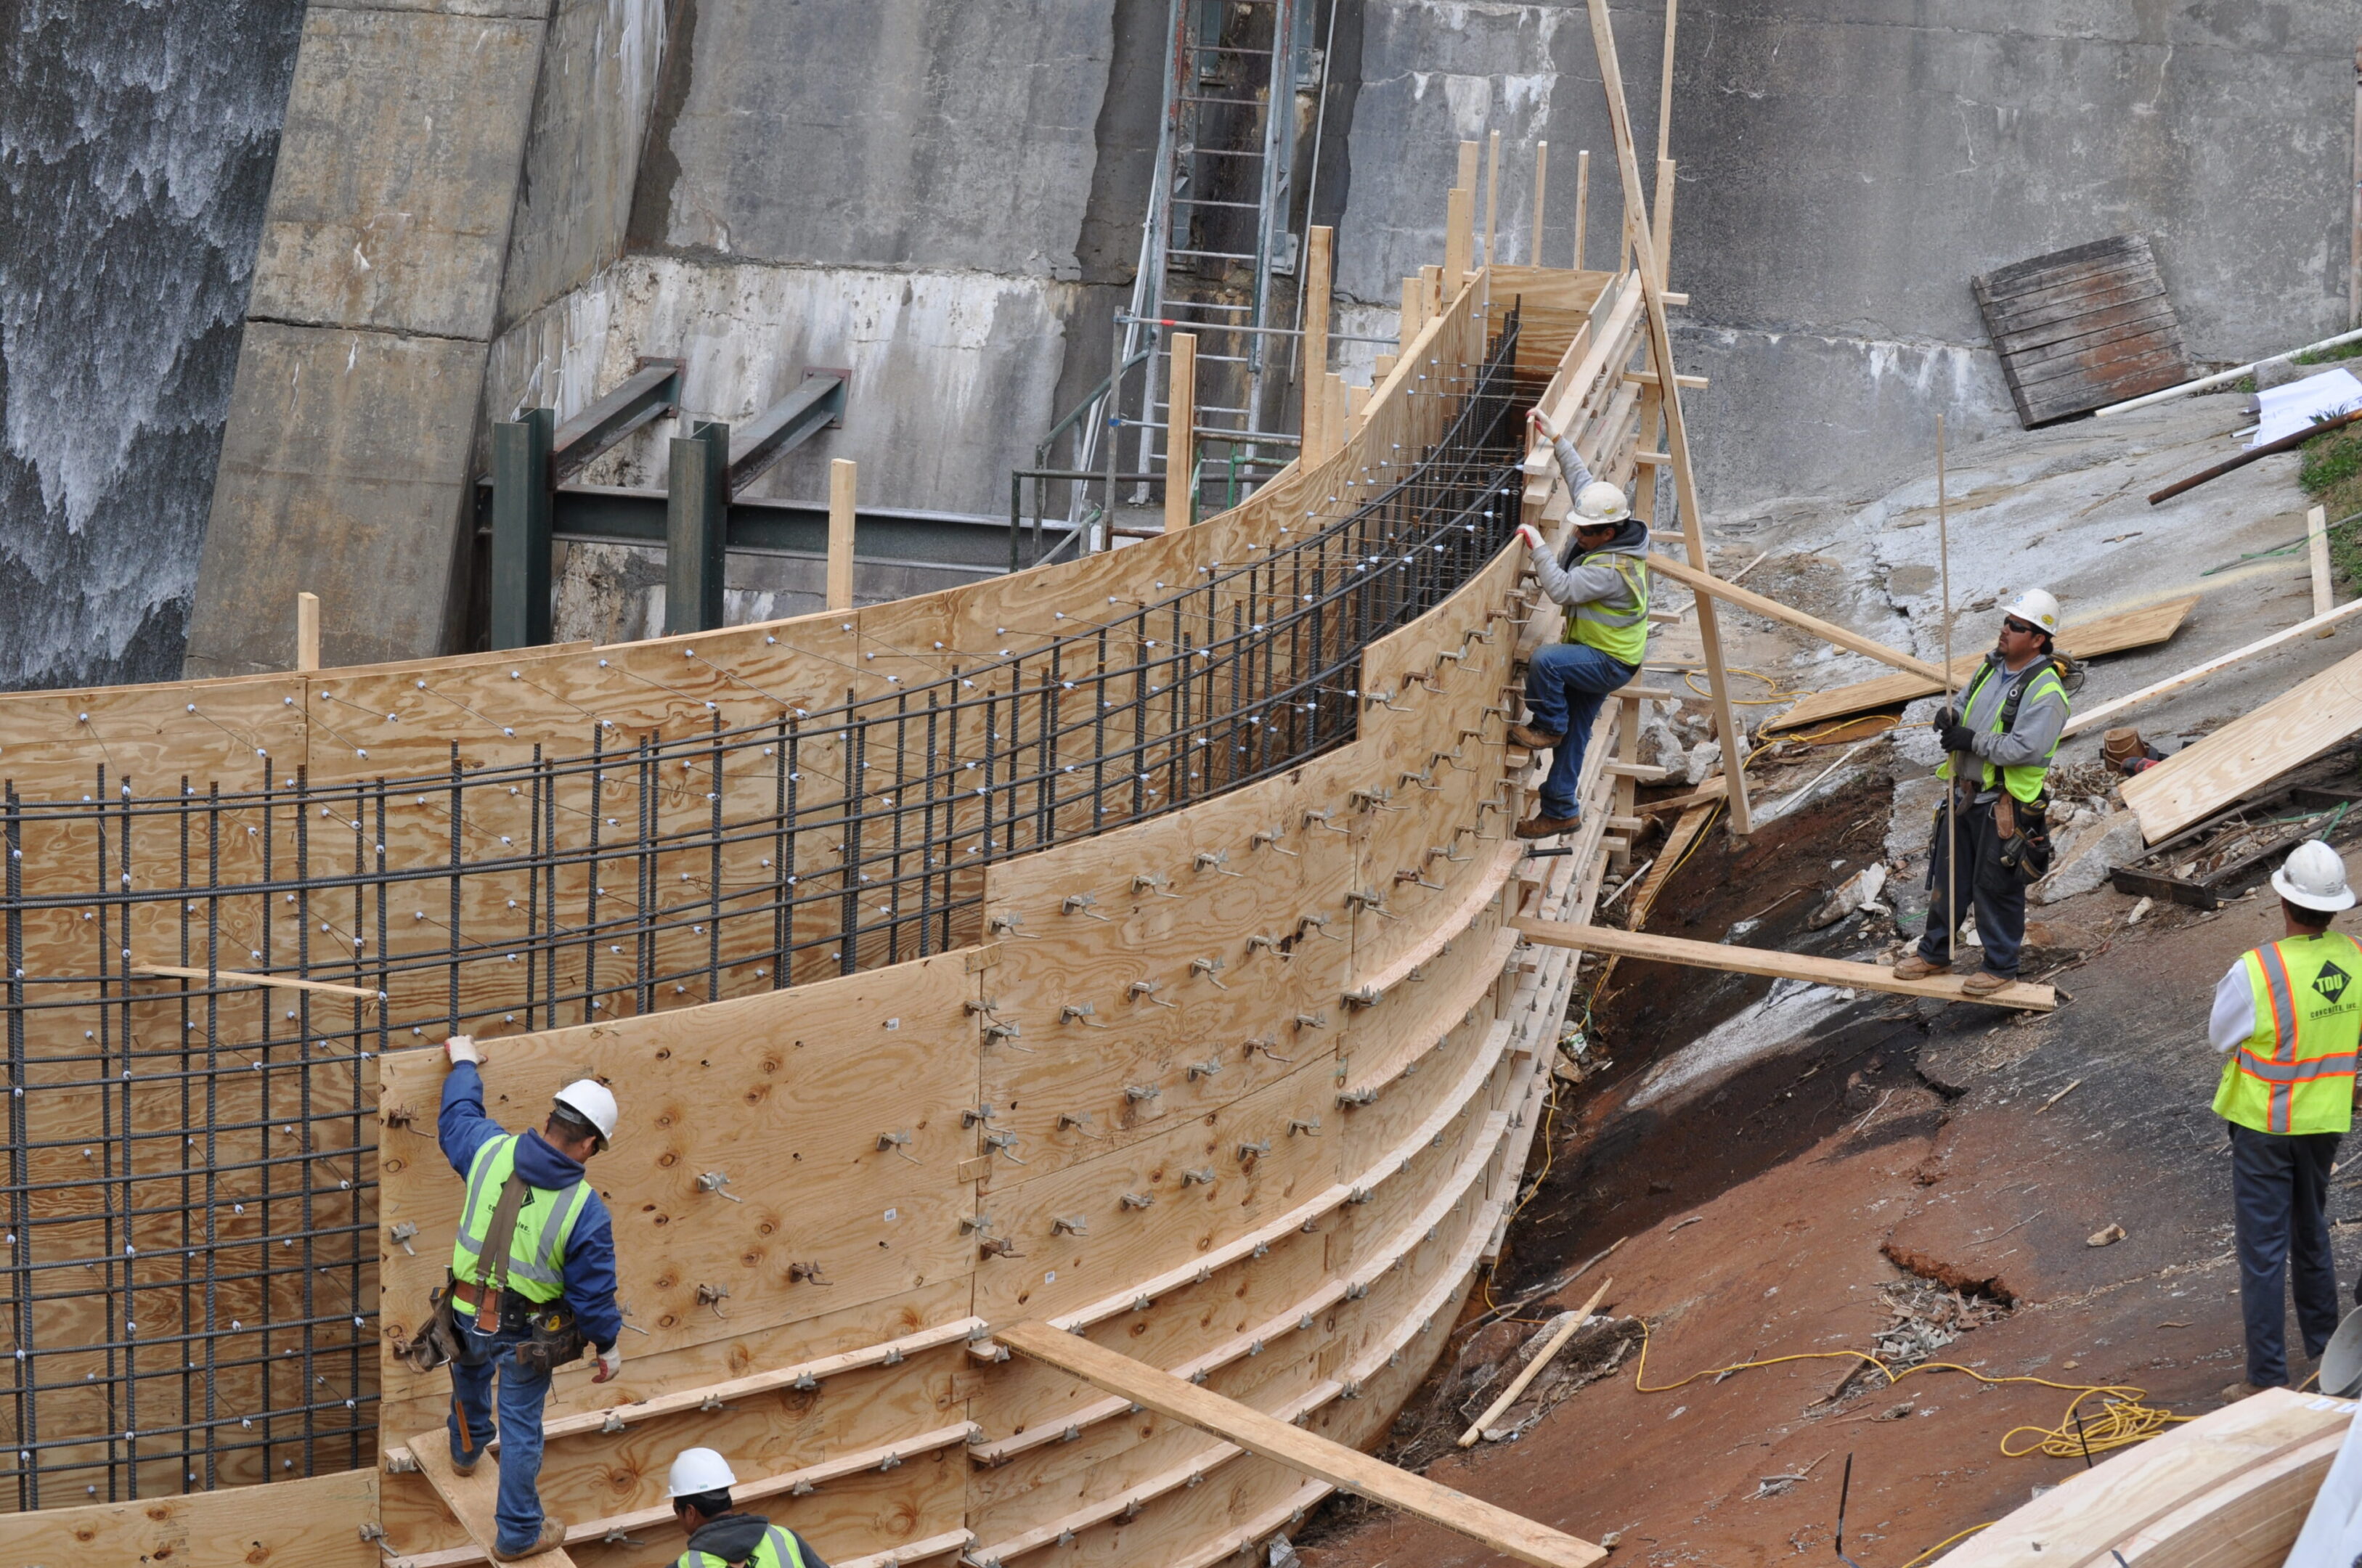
(2023, 780)
(2295, 1073)
(537, 1263)
(778, 1549)
(1616, 626)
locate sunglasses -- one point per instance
(2012, 623)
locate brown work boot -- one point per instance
(1539, 827)
(1984, 983)
(552, 1537)
(1915, 967)
(1532, 739)
(2239, 1391)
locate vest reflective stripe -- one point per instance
(2295, 1073)
(778, 1549)
(1617, 627)
(2024, 780)
(538, 1249)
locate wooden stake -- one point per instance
(1459, 238)
(1180, 434)
(1413, 312)
(1677, 439)
(1317, 292)
(842, 478)
(1541, 1358)
(1270, 1438)
(1663, 222)
(1665, 89)
(2354, 242)
(1951, 790)
(307, 627)
(1467, 179)
(1581, 203)
(2316, 535)
(1541, 196)
(1492, 197)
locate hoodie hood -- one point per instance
(732, 1538)
(543, 1166)
(1631, 540)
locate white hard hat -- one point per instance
(2314, 877)
(589, 1099)
(2035, 608)
(698, 1470)
(1600, 504)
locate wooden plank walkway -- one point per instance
(2019, 996)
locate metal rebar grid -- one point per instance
(190, 1264)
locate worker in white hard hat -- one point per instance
(1998, 745)
(1602, 578)
(718, 1533)
(2288, 1017)
(533, 1280)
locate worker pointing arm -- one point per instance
(1602, 578)
(533, 1281)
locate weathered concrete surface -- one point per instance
(616, 593)
(927, 350)
(389, 213)
(599, 78)
(396, 171)
(345, 458)
(894, 132)
(1846, 166)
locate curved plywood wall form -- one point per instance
(1238, 1079)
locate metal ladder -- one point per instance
(1216, 232)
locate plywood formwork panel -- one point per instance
(317, 1522)
(787, 1095)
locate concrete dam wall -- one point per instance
(482, 206)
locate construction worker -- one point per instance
(528, 1305)
(2287, 1015)
(1998, 747)
(1602, 578)
(700, 1489)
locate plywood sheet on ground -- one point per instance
(2082, 328)
(2088, 639)
(2248, 753)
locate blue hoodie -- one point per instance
(463, 1127)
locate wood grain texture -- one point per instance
(2082, 328)
(2248, 753)
(1777, 965)
(311, 1523)
(1316, 1457)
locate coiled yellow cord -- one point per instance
(2122, 1420)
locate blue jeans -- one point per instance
(481, 1358)
(1564, 687)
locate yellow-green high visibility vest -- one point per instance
(537, 1268)
(778, 1549)
(1617, 626)
(2023, 780)
(2295, 1073)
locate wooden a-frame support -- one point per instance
(1349, 1470)
(1677, 439)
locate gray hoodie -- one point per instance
(734, 1535)
(1571, 578)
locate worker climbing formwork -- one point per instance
(1602, 578)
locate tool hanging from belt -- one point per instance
(554, 1339)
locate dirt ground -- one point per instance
(1911, 1178)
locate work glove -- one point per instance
(1945, 718)
(1959, 737)
(463, 1048)
(1530, 537)
(611, 1364)
(1540, 423)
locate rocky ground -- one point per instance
(1789, 1175)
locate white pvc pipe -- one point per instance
(2221, 377)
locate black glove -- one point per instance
(1959, 737)
(1945, 719)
